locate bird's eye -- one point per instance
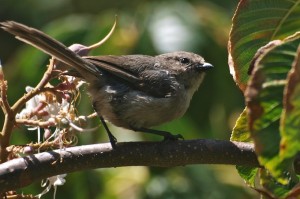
(184, 60)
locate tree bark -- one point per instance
(20, 172)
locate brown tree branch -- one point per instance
(20, 172)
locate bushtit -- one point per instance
(131, 91)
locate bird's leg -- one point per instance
(165, 134)
(111, 137)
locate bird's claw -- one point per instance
(173, 137)
(113, 141)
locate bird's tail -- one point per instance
(50, 46)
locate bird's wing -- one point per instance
(115, 65)
(139, 72)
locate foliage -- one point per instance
(264, 59)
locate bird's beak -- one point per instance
(205, 66)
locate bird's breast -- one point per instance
(134, 109)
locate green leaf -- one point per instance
(240, 132)
(290, 119)
(290, 123)
(256, 23)
(248, 174)
(272, 189)
(264, 96)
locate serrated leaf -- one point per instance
(241, 131)
(248, 174)
(272, 189)
(256, 23)
(290, 123)
(290, 119)
(264, 96)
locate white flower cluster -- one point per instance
(44, 107)
(54, 181)
(54, 108)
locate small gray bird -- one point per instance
(130, 91)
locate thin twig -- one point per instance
(8, 119)
(96, 45)
(3, 92)
(38, 89)
(4, 102)
(10, 112)
(42, 124)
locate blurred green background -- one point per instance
(144, 27)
